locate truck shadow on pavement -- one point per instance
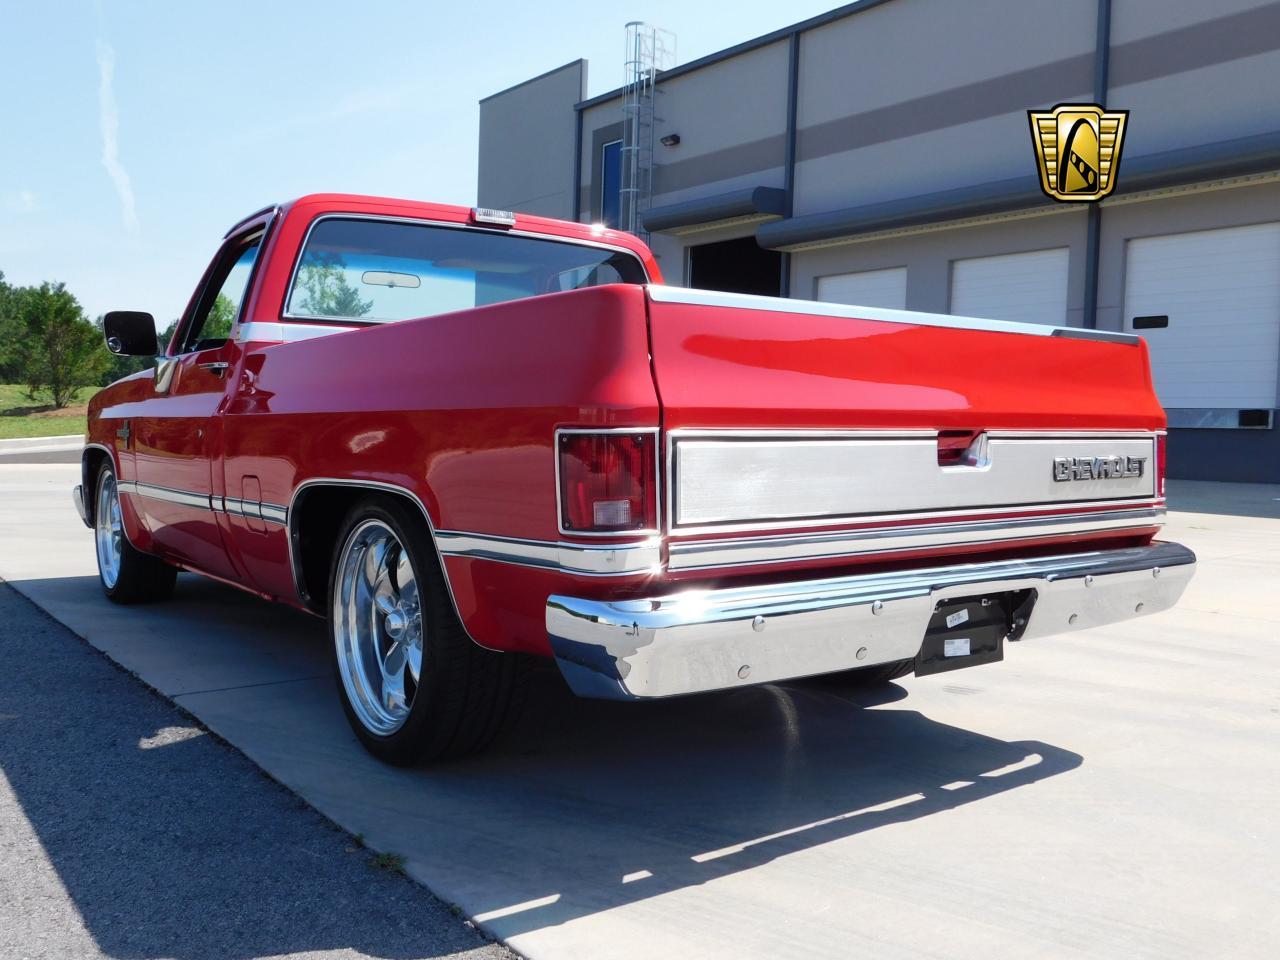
(582, 806)
(666, 795)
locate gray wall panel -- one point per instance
(1136, 19)
(600, 124)
(526, 144)
(915, 96)
(731, 119)
(1193, 72)
(1223, 102)
(910, 49)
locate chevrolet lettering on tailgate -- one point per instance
(1097, 468)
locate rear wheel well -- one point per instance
(315, 520)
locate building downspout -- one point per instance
(577, 164)
(1093, 235)
(789, 153)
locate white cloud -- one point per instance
(109, 122)
(19, 201)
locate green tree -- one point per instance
(217, 326)
(325, 291)
(57, 349)
(9, 371)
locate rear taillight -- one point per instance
(1162, 461)
(608, 482)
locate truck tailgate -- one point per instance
(785, 416)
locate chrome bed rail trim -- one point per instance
(745, 301)
(698, 640)
(742, 551)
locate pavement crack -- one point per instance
(248, 686)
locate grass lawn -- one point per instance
(21, 416)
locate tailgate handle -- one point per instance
(962, 449)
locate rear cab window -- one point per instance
(381, 271)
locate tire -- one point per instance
(389, 610)
(127, 575)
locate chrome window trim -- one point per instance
(657, 481)
(674, 436)
(252, 232)
(587, 560)
(286, 314)
(269, 332)
(746, 301)
(268, 213)
(833, 545)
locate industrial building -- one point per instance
(881, 155)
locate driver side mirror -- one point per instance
(130, 333)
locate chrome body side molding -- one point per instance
(700, 640)
(270, 512)
(588, 560)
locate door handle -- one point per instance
(217, 367)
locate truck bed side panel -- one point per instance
(460, 409)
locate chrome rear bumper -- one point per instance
(708, 640)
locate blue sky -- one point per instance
(135, 133)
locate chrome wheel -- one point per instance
(108, 530)
(377, 627)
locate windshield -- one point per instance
(380, 270)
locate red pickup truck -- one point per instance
(462, 435)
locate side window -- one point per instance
(223, 297)
(611, 183)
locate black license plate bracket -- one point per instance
(968, 631)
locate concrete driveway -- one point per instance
(1106, 794)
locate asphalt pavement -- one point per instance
(1106, 794)
(127, 830)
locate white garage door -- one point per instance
(1030, 287)
(870, 288)
(1220, 290)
